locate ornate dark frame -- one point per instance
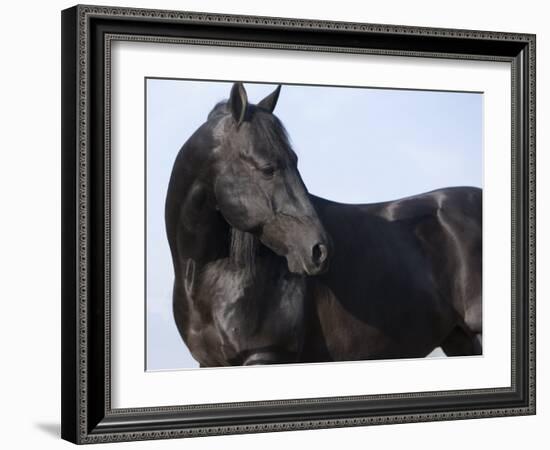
(87, 32)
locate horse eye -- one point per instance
(268, 171)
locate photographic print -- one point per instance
(298, 210)
(310, 224)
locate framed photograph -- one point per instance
(278, 224)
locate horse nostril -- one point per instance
(319, 254)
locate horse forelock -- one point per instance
(266, 128)
(269, 128)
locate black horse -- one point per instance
(267, 273)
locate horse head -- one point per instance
(256, 184)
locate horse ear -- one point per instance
(270, 101)
(238, 102)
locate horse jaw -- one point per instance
(298, 266)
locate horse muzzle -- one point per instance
(302, 241)
(313, 262)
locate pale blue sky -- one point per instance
(355, 145)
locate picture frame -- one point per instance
(88, 33)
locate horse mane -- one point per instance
(243, 249)
(272, 130)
